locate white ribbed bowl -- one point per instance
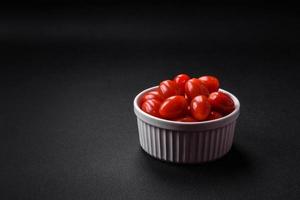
(185, 142)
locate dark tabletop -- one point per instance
(69, 75)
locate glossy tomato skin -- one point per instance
(214, 115)
(173, 107)
(151, 107)
(168, 88)
(221, 102)
(152, 95)
(211, 83)
(186, 119)
(195, 87)
(181, 79)
(200, 107)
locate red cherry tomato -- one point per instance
(186, 119)
(221, 102)
(168, 88)
(214, 115)
(173, 107)
(200, 107)
(152, 95)
(181, 79)
(188, 100)
(211, 83)
(195, 87)
(151, 107)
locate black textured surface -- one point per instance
(69, 75)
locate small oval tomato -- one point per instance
(188, 100)
(200, 107)
(221, 102)
(173, 107)
(195, 87)
(152, 95)
(181, 79)
(151, 107)
(211, 83)
(186, 119)
(168, 88)
(214, 115)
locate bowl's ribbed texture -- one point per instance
(182, 142)
(186, 147)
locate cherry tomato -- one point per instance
(151, 107)
(195, 87)
(181, 79)
(188, 100)
(168, 88)
(173, 107)
(186, 119)
(214, 115)
(221, 102)
(152, 95)
(211, 83)
(200, 107)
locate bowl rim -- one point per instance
(168, 123)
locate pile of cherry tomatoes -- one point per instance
(188, 99)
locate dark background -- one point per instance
(69, 74)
